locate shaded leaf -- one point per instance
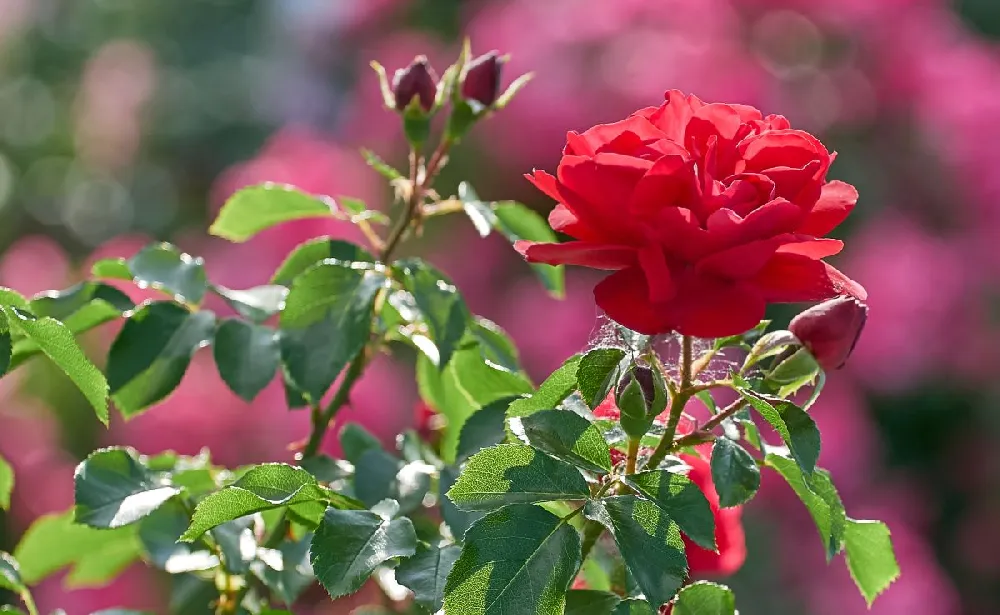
(591, 602)
(10, 574)
(516, 221)
(287, 572)
(519, 559)
(164, 267)
(426, 572)
(682, 500)
(152, 351)
(480, 212)
(557, 387)
(113, 489)
(317, 250)
(254, 209)
(440, 305)
(349, 544)
(513, 473)
(458, 520)
(256, 304)
(483, 429)
(355, 441)
(247, 356)
(160, 533)
(734, 472)
(567, 436)
(597, 373)
(796, 428)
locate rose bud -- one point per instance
(831, 329)
(641, 394)
(415, 81)
(482, 79)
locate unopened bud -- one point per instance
(831, 329)
(641, 394)
(415, 81)
(482, 79)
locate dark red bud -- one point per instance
(482, 79)
(831, 329)
(417, 79)
(644, 376)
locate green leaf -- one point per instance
(164, 267)
(160, 533)
(317, 250)
(797, 428)
(326, 322)
(293, 576)
(649, 541)
(705, 598)
(495, 345)
(820, 498)
(111, 268)
(485, 428)
(257, 208)
(467, 384)
(263, 487)
(635, 606)
(566, 436)
(734, 472)
(519, 559)
(58, 343)
(480, 212)
(151, 353)
(590, 602)
(113, 489)
(6, 484)
(357, 211)
(458, 520)
(11, 610)
(256, 304)
(247, 356)
(870, 557)
(514, 474)
(426, 572)
(10, 574)
(557, 387)
(597, 373)
(439, 303)
(379, 475)
(355, 441)
(95, 556)
(681, 499)
(516, 221)
(380, 166)
(350, 544)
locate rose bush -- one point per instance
(707, 213)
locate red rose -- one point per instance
(831, 329)
(706, 212)
(728, 528)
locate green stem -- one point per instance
(677, 403)
(700, 434)
(321, 420)
(633, 455)
(29, 602)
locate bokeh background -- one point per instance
(124, 121)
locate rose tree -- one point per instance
(614, 486)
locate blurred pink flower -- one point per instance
(33, 264)
(134, 589)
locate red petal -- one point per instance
(593, 140)
(625, 297)
(562, 218)
(658, 278)
(544, 182)
(596, 256)
(774, 218)
(792, 278)
(706, 306)
(741, 262)
(813, 248)
(836, 201)
(673, 116)
(782, 148)
(669, 183)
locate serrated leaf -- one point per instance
(515, 474)
(635, 606)
(519, 559)
(734, 472)
(440, 305)
(682, 500)
(705, 598)
(10, 574)
(94, 556)
(458, 520)
(152, 351)
(326, 322)
(870, 557)
(796, 428)
(247, 356)
(160, 533)
(6, 483)
(590, 602)
(649, 541)
(350, 544)
(263, 487)
(113, 489)
(256, 304)
(557, 387)
(316, 250)
(254, 209)
(595, 375)
(380, 166)
(516, 222)
(288, 571)
(58, 343)
(567, 436)
(164, 267)
(485, 428)
(426, 572)
(467, 384)
(820, 498)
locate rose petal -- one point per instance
(774, 218)
(673, 115)
(740, 262)
(597, 256)
(782, 148)
(813, 248)
(562, 218)
(706, 306)
(836, 201)
(669, 183)
(593, 140)
(625, 297)
(658, 277)
(792, 278)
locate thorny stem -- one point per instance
(703, 431)
(677, 403)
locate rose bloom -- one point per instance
(706, 213)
